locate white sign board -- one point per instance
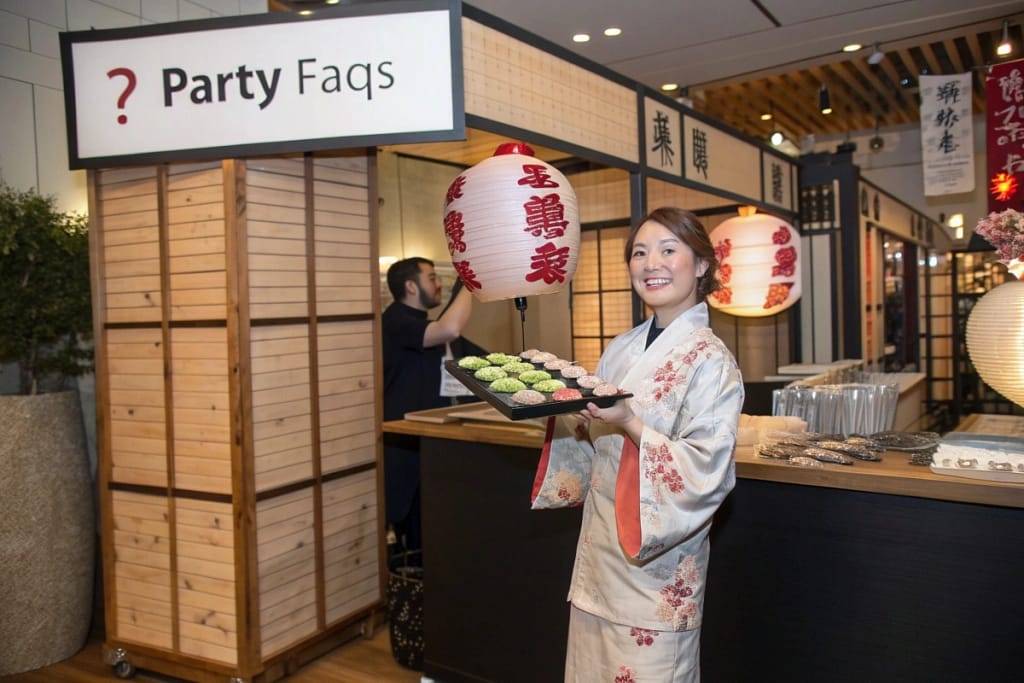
(264, 84)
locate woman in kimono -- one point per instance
(650, 470)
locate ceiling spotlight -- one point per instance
(876, 143)
(852, 47)
(777, 138)
(766, 117)
(824, 101)
(1005, 47)
(669, 87)
(613, 31)
(876, 57)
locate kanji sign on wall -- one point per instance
(1004, 135)
(359, 75)
(947, 138)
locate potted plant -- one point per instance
(44, 274)
(47, 518)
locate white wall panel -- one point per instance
(159, 11)
(17, 144)
(44, 39)
(13, 31)
(29, 67)
(49, 11)
(85, 14)
(52, 152)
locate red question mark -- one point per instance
(130, 75)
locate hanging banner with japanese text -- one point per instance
(947, 140)
(1004, 135)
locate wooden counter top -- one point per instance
(439, 424)
(894, 475)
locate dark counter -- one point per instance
(876, 572)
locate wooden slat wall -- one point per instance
(287, 569)
(275, 208)
(602, 195)
(511, 82)
(347, 402)
(661, 193)
(207, 563)
(342, 236)
(206, 580)
(131, 241)
(196, 249)
(202, 415)
(138, 444)
(142, 577)
(281, 408)
(350, 545)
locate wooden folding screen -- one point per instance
(236, 310)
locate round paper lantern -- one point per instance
(512, 225)
(759, 265)
(995, 339)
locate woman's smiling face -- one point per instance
(664, 271)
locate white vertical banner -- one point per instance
(947, 140)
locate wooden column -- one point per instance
(237, 364)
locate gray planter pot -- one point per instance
(47, 531)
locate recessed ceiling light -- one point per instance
(852, 47)
(305, 12)
(333, 2)
(613, 31)
(668, 87)
(766, 117)
(581, 38)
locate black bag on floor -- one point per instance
(405, 608)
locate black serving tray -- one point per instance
(518, 411)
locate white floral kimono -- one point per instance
(642, 555)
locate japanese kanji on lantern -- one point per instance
(512, 225)
(759, 264)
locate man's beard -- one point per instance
(427, 301)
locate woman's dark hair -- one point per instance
(688, 228)
(401, 272)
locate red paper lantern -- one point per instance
(759, 259)
(512, 225)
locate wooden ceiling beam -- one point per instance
(863, 95)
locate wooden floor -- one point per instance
(359, 661)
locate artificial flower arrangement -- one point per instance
(1004, 230)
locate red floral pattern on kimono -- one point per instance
(688, 392)
(644, 636)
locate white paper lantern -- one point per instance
(995, 339)
(759, 259)
(512, 225)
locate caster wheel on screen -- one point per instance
(124, 669)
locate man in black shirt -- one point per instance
(414, 349)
